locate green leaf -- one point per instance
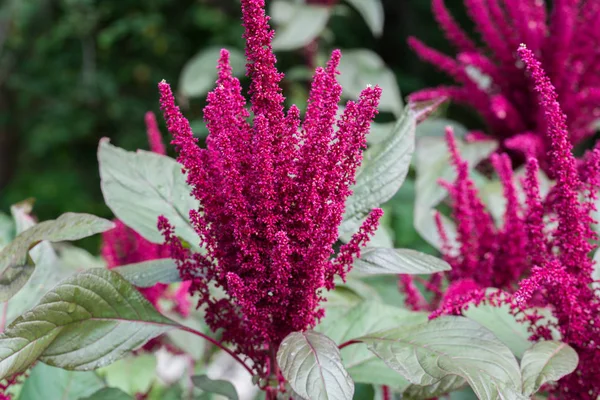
(199, 74)
(109, 394)
(364, 318)
(88, 321)
(149, 273)
(139, 187)
(428, 353)
(372, 13)
(546, 362)
(503, 325)
(382, 261)
(297, 24)
(46, 382)
(311, 363)
(16, 266)
(7, 230)
(362, 67)
(224, 388)
(383, 172)
(131, 374)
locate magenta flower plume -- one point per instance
(154, 137)
(568, 44)
(533, 265)
(272, 190)
(122, 245)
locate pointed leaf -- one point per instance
(312, 365)
(88, 321)
(372, 13)
(362, 67)
(383, 261)
(149, 273)
(297, 24)
(218, 386)
(199, 74)
(15, 264)
(364, 318)
(503, 325)
(546, 362)
(383, 172)
(427, 353)
(109, 394)
(46, 382)
(139, 187)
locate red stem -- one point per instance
(348, 343)
(219, 345)
(385, 392)
(3, 318)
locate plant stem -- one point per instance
(348, 343)
(219, 345)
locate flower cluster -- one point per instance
(272, 190)
(493, 82)
(539, 257)
(122, 245)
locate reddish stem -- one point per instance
(219, 345)
(3, 318)
(386, 393)
(348, 343)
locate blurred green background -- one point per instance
(73, 71)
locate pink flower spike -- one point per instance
(154, 136)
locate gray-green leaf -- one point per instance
(109, 394)
(362, 67)
(149, 273)
(224, 388)
(426, 354)
(297, 24)
(312, 364)
(364, 318)
(503, 325)
(16, 266)
(46, 382)
(383, 261)
(88, 321)
(546, 362)
(372, 13)
(199, 73)
(383, 172)
(139, 187)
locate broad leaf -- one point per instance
(362, 67)
(149, 273)
(131, 374)
(503, 325)
(546, 362)
(88, 321)
(428, 353)
(139, 187)
(199, 74)
(384, 169)
(372, 13)
(297, 24)
(109, 394)
(46, 382)
(224, 388)
(364, 318)
(16, 266)
(312, 365)
(382, 261)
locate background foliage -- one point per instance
(73, 71)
